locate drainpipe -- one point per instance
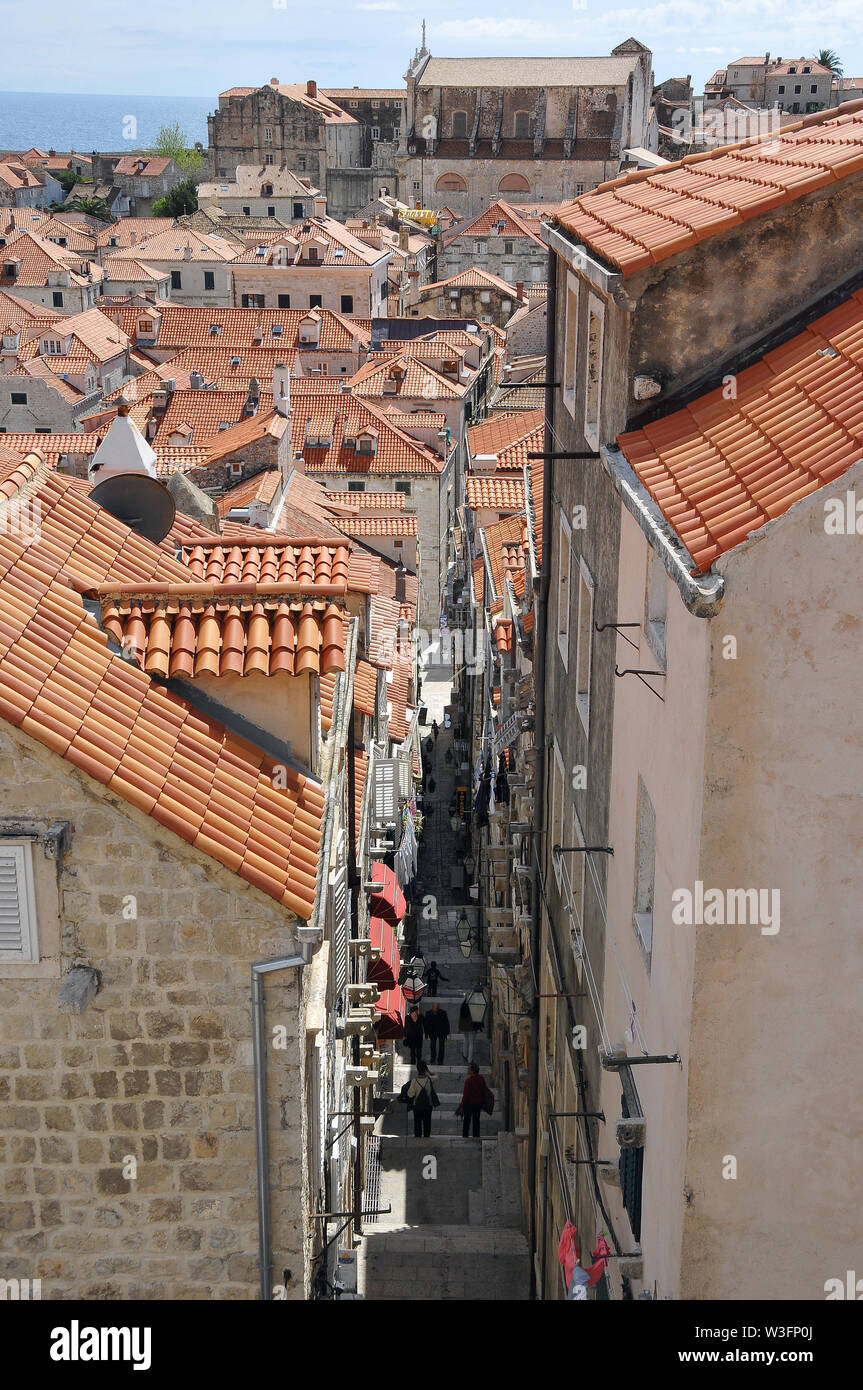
(262, 1148)
(539, 744)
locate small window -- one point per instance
(797, 90)
(655, 605)
(302, 163)
(298, 210)
(356, 487)
(57, 299)
(579, 190)
(571, 343)
(19, 398)
(416, 184)
(459, 125)
(645, 870)
(782, 89)
(252, 301)
(808, 69)
(43, 429)
(284, 301)
(247, 212)
(584, 649)
(347, 303)
(507, 249)
(176, 280)
(479, 248)
(593, 383)
(268, 158)
(376, 132)
(564, 565)
(403, 485)
(209, 279)
(315, 301)
(276, 330)
(792, 69)
(268, 132)
(522, 125)
(814, 88)
(18, 935)
(271, 212)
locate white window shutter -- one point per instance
(386, 791)
(339, 927)
(18, 939)
(405, 776)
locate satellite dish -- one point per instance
(142, 503)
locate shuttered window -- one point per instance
(18, 939)
(339, 928)
(386, 791)
(631, 1168)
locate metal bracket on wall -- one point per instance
(601, 627)
(631, 671)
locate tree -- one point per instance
(93, 207)
(181, 200)
(172, 143)
(829, 58)
(67, 178)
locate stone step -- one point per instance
(443, 1263)
(476, 1207)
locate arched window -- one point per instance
(513, 183)
(522, 125)
(450, 183)
(459, 125)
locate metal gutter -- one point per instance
(702, 594)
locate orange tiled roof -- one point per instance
(369, 501)
(38, 258)
(488, 223)
(204, 629)
(380, 526)
(263, 487)
(186, 326)
(498, 493)
(365, 688)
(345, 417)
(62, 685)
(721, 469)
(643, 218)
(267, 559)
(131, 231)
(503, 635)
(471, 278)
(413, 379)
(203, 412)
(505, 433)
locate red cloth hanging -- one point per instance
(568, 1255)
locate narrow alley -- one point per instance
(454, 1230)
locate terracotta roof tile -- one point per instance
(500, 493)
(646, 216)
(368, 501)
(720, 469)
(509, 437)
(268, 559)
(380, 526)
(61, 684)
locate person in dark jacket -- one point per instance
(414, 1034)
(436, 1026)
(472, 1098)
(432, 976)
(420, 1093)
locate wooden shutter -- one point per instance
(18, 940)
(339, 927)
(386, 791)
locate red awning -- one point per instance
(387, 899)
(385, 970)
(391, 1009)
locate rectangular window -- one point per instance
(579, 190)
(209, 279)
(302, 163)
(247, 212)
(268, 133)
(18, 935)
(570, 345)
(284, 301)
(356, 487)
(43, 429)
(19, 397)
(655, 602)
(507, 248)
(814, 88)
(176, 280)
(403, 485)
(645, 869)
(57, 299)
(797, 91)
(252, 301)
(271, 212)
(564, 566)
(593, 382)
(315, 301)
(347, 303)
(782, 89)
(269, 158)
(584, 652)
(376, 132)
(298, 210)
(479, 248)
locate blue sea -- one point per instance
(74, 121)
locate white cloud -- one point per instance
(496, 29)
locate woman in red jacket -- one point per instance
(472, 1098)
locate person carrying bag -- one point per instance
(423, 1099)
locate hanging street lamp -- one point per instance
(464, 934)
(477, 1004)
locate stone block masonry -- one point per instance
(127, 1148)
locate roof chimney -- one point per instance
(274, 82)
(311, 88)
(401, 588)
(519, 289)
(124, 449)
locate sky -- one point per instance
(201, 47)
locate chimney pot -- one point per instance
(311, 88)
(274, 82)
(519, 289)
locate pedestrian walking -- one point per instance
(468, 1030)
(425, 1099)
(432, 976)
(434, 730)
(414, 1034)
(436, 1026)
(473, 1098)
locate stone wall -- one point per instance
(159, 1067)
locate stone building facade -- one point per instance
(521, 128)
(157, 1070)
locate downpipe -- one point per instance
(262, 1146)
